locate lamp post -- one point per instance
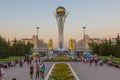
(84, 37)
(37, 38)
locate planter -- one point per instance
(61, 71)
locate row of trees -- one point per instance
(106, 48)
(18, 48)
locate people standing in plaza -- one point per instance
(95, 59)
(2, 72)
(28, 61)
(100, 62)
(31, 70)
(42, 70)
(36, 60)
(21, 63)
(37, 71)
(39, 58)
(91, 60)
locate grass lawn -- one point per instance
(107, 57)
(12, 58)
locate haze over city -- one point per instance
(19, 18)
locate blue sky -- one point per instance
(19, 18)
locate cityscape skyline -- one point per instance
(20, 18)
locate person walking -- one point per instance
(31, 70)
(40, 69)
(37, 71)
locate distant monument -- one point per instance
(50, 47)
(70, 44)
(60, 17)
(50, 44)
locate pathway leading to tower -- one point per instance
(83, 71)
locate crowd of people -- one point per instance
(91, 59)
(98, 61)
(6, 65)
(34, 64)
(39, 68)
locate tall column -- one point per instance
(37, 39)
(84, 37)
(60, 17)
(60, 31)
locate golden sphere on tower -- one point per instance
(60, 11)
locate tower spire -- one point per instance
(61, 17)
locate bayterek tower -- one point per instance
(60, 17)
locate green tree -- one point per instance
(4, 48)
(20, 48)
(107, 47)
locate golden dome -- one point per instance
(60, 11)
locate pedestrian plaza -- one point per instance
(83, 71)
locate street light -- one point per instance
(84, 37)
(37, 38)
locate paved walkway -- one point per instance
(84, 72)
(23, 73)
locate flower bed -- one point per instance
(60, 58)
(61, 71)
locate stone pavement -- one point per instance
(22, 73)
(84, 72)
